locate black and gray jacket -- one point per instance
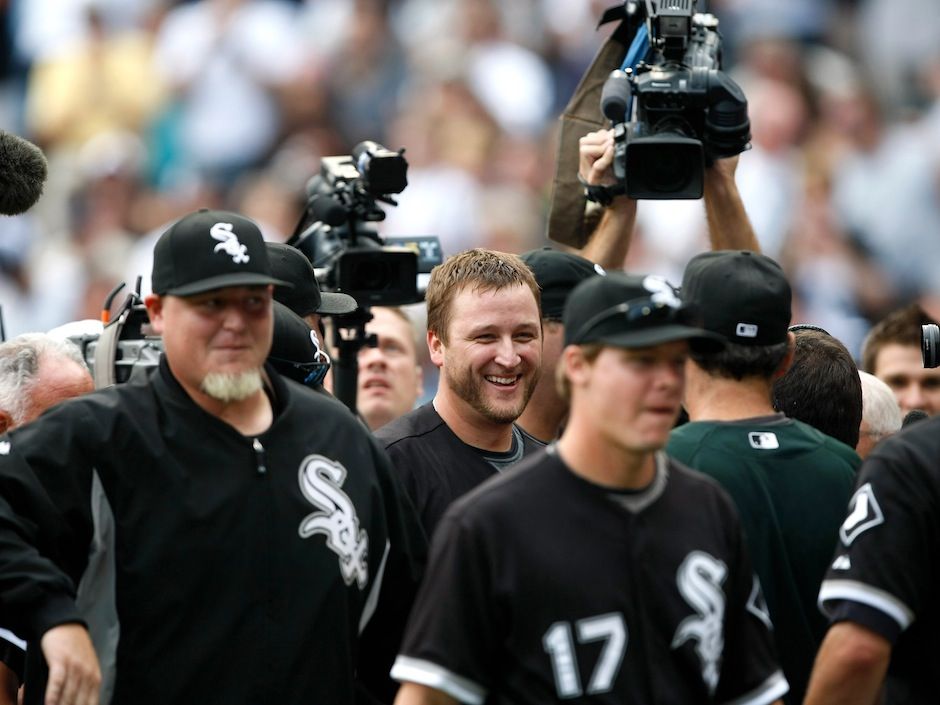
(210, 567)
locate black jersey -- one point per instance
(544, 587)
(243, 569)
(885, 574)
(437, 467)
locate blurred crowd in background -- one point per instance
(148, 109)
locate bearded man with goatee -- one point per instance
(485, 336)
(256, 528)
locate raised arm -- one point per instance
(610, 241)
(729, 228)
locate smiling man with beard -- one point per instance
(485, 335)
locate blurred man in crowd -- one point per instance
(892, 352)
(390, 378)
(881, 415)
(36, 372)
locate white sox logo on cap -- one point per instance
(228, 242)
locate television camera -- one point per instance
(688, 112)
(348, 256)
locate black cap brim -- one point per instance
(701, 340)
(336, 303)
(226, 280)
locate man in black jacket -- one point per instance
(258, 528)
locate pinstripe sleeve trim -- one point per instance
(867, 595)
(373, 599)
(774, 688)
(430, 674)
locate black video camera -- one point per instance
(688, 111)
(354, 259)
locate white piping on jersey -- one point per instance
(423, 672)
(9, 636)
(856, 591)
(373, 599)
(774, 688)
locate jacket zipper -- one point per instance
(259, 456)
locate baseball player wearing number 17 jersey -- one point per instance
(598, 570)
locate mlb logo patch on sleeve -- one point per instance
(763, 440)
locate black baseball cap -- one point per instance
(304, 297)
(741, 295)
(557, 273)
(209, 250)
(631, 311)
(294, 353)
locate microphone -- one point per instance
(913, 416)
(23, 171)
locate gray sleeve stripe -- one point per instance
(373, 599)
(867, 595)
(430, 674)
(774, 688)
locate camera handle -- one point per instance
(346, 363)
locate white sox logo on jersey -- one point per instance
(228, 242)
(321, 480)
(699, 579)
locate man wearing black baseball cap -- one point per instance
(303, 297)
(230, 486)
(598, 538)
(790, 482)
(556, 273)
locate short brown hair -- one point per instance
(900, 327)
(589, 351)
(476, 269)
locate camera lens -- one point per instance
(930, 345)
(668, 171)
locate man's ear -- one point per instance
(787, 361)
(6, 421)
(436, 348)
(154, 306)
(575, 365)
